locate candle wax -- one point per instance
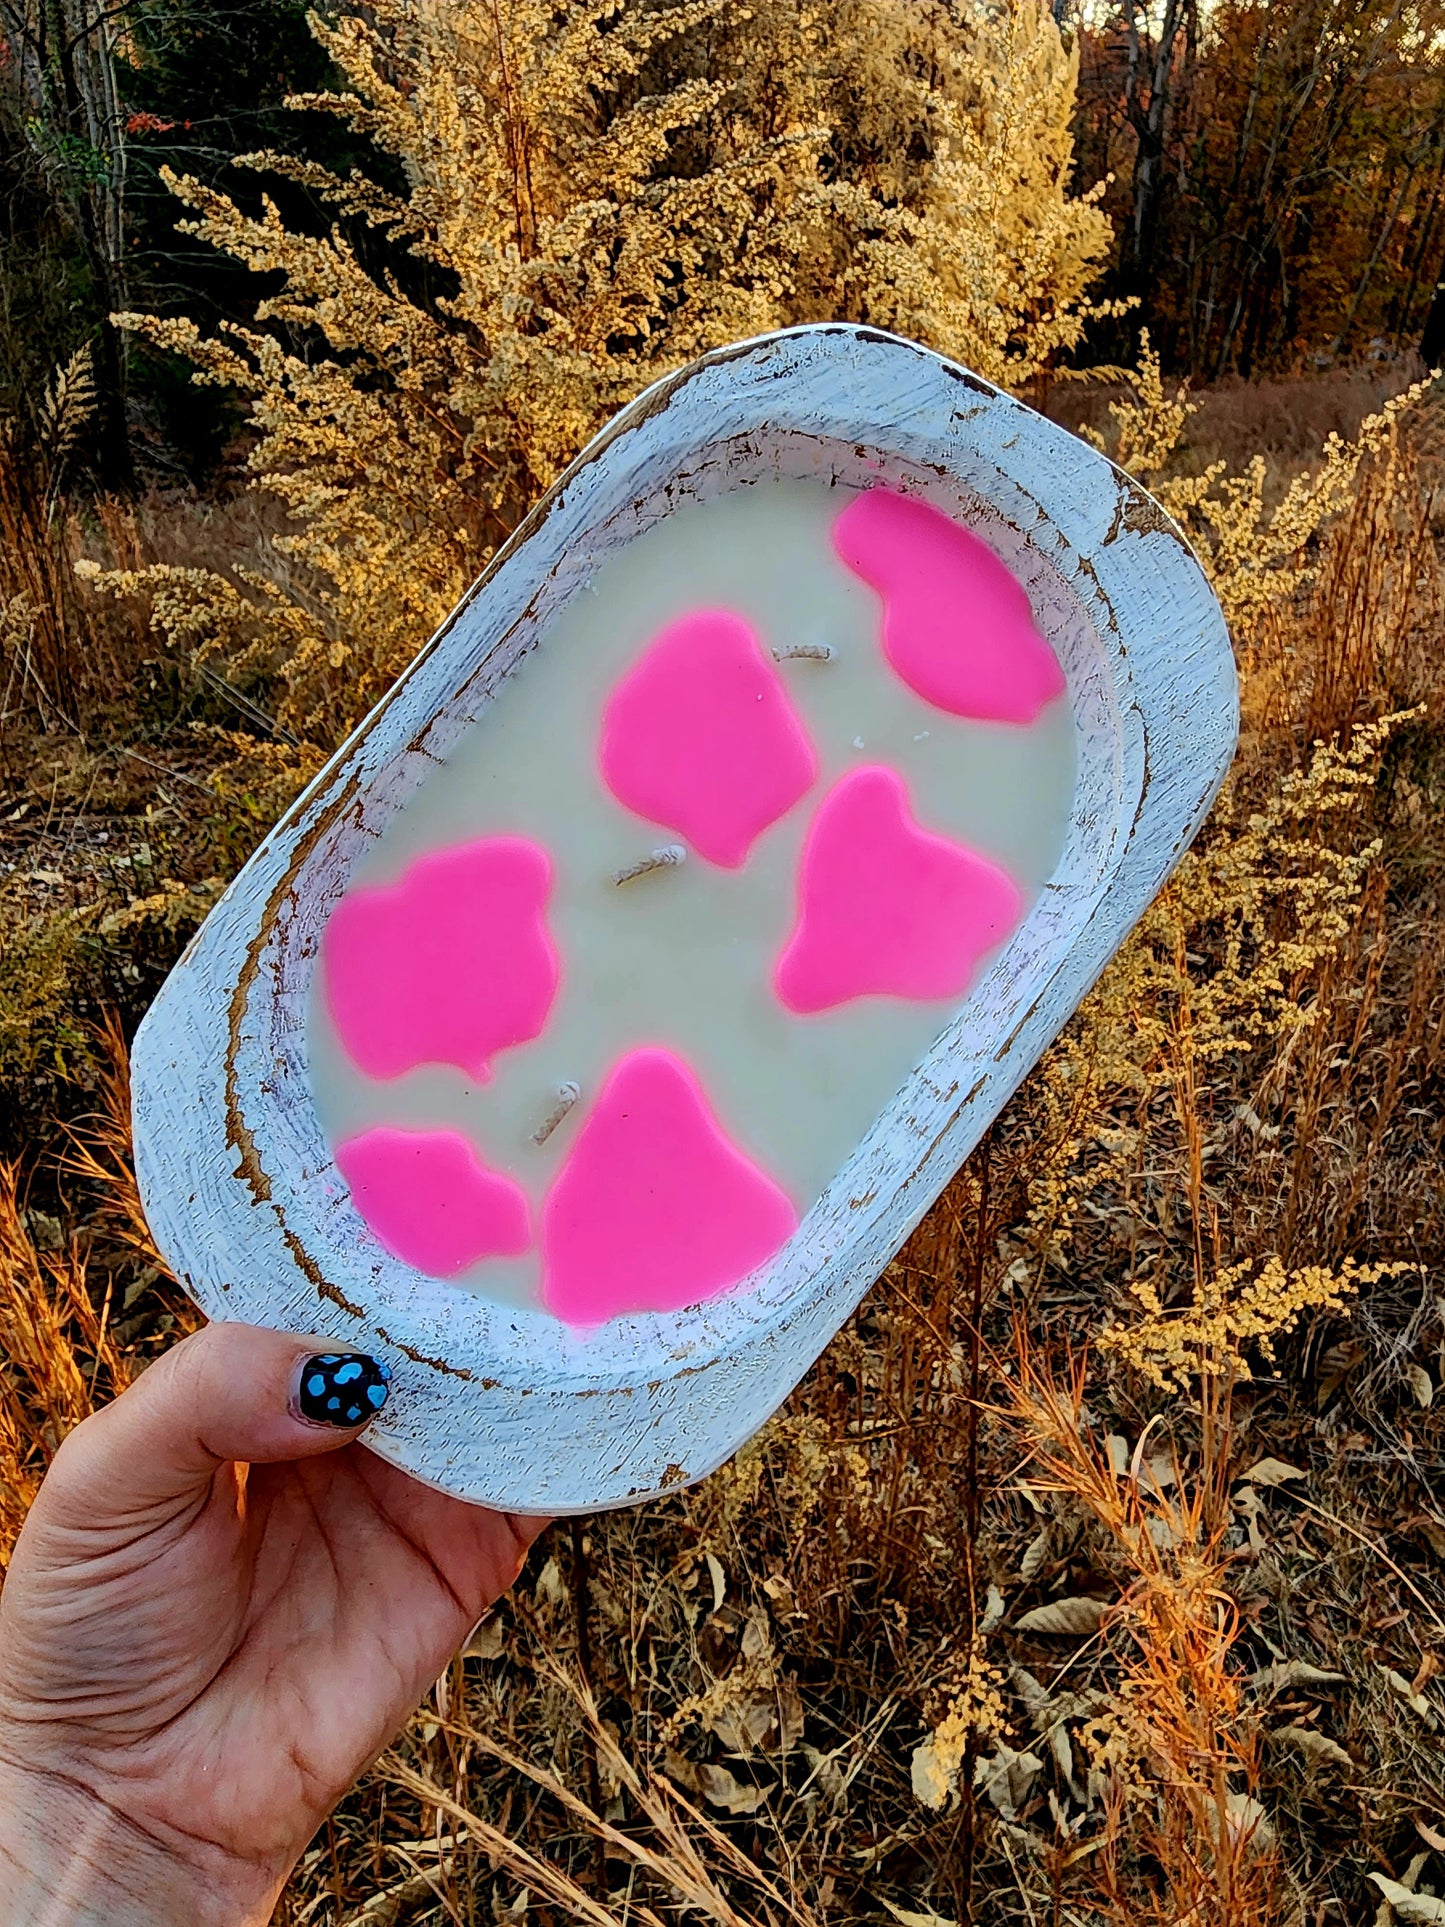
(687, 958)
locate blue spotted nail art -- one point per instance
(341, 1388)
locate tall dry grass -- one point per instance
(1094, 1574)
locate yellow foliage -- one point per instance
(975, 1712)
(1242, 1305)
(1257, 556)
(1268, 895)
(595, 191)
(980, 251)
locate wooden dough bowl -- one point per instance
(511, 1408)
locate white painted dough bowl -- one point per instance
(510, 1407)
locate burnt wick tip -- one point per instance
(667, 858)
(567, 1096)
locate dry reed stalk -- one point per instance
(37, 594)
(100, 1154)
(1376, 603)
(686, 1860)
(1175, 1747)
(43, 628)
(58, 1358)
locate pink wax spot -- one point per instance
(430, 1200)
(886, 908)
(655, 1208)
(447, 966)
(700, 736)
(957, 626)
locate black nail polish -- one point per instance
(340, 1388)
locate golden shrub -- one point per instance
(595, 192)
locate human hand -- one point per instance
(216, 1615)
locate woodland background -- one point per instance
(1097, 1572)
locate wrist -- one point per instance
(69, 1858)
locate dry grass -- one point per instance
(1095, 1573)
(1285, 419)
(60, 1355)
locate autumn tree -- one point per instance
(1280, 171)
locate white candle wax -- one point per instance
(682, 956)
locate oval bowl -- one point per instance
(510, 1408)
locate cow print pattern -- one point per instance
(456, 961)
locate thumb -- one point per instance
(228, 1392)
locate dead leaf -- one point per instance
(1032, 1692)
(994, 1609)
(1247, 1501)
(790, 1715)
(781, 1594)
(1411, 1908)
(1247, 1821)
(932, 1777)
(1317, 1748)
(1118, 1449)
(488, 1641)
(719, 1580)
(757, 1635)
(1417, 1702)
(1159, 1473)
(1269, 1472)
(1430, 1836)
(827, 1775)
(46, 1233)
(1432, 1531)
(742, 1725)
(1005, 1779)
(1048, 1714)
(722, 1790)
(1291, 1672)
(1333, 1366)
(1036, 1554)
(1421, 1384)
(770, 1722)
(911, 1919)
(1062, 1748)
(1073, 1617)
(550, 1586)
(142, 1282)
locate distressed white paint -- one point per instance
(506, 1406)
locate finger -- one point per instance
(229, 1392)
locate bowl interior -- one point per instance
(634, 484)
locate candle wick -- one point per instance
(667, 858)
(567, 1096)
(805, 652)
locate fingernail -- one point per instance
(340, 1388)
